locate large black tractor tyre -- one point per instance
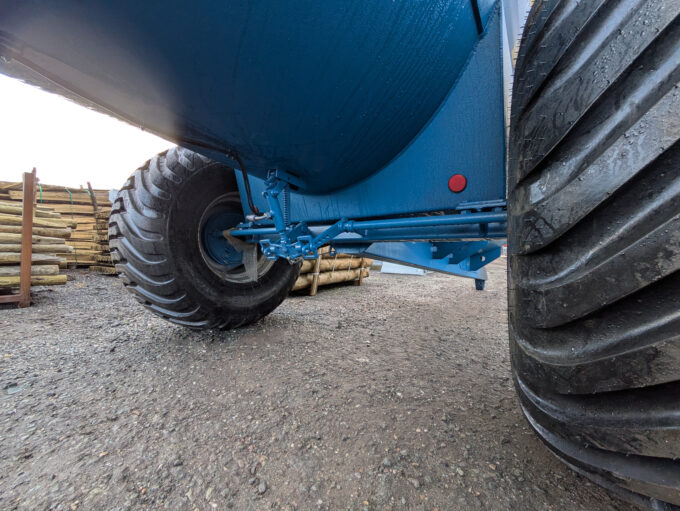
(156, 236)
(594, 240)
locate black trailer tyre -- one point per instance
(159, 235)
(594, 240)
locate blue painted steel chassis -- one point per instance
(406, 212)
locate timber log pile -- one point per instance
(332, 269)
(74, 204)
(49, 248)
(104, 263)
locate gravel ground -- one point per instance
(395, 395)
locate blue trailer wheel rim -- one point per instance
(215, 245)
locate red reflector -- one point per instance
(457, 183)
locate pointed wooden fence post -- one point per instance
(24, 296)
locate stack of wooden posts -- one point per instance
(47, 247)
(331, 269)
(78, 205)
(103, 256)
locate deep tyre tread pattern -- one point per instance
(594, 240)
(150, 250)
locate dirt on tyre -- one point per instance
(165, 236)
(594, 240)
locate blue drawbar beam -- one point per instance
(355, 226)
(426, 221)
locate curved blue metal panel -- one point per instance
(330, 91)
(465, 136)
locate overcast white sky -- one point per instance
(67, 143)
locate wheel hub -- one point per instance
(216, 245)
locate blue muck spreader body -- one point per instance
(417, 132)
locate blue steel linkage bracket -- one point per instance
(294, 241)
(299, 241)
